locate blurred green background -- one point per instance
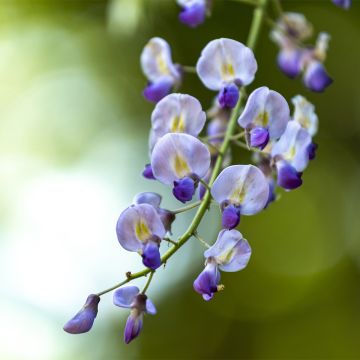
(73, 140)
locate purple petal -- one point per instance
(133, 327)
(155, 91)
(184, 189)
(137, 224)
(290, 61)
(150, 198)
(345, 4)
(176, 156)
(312, 150)
(206, 283)
(83, 321)
(230, 217)
(316, 78)
(125, 296)
(177, 113)
(259, 137)
(193, 15)
(150, 307)
(243, 185)
(225, 61)
(287, 176)
(151, 255)
(148, 173)
(228, 96)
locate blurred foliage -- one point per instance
(299, 296)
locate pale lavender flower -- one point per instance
(193, 12)
(265, 116)
(240, 190)
(304, 114)
(230, 253)
(83, 321)
(224, 65)
(129, 297)
(139, 228)
(345, 4)
(291, 155)
(167, 217)
(176, 113)
(180, 160)
(158, 67)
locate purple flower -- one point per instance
(193, 12)
(177, 113)
(140, 229)
(304, 114)
(158, 67)
(315, 77)
(345, 4)
(167, 217)
(290, 61)
(291, 155)
(244, 189)
(231, 252)
(147, 172)
(265, 116)
(180, 160)
(225, 64)
(129, 297)
(83, 321)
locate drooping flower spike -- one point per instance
(129, 297)
(265, 116)
(304, 114)
(193, 12)
(345, 4)
(291, 155)
(167, 217)
(177, 113)
(224, 65)
(83, 321)
(180, 160)
(231, 252)
(157, 65)
(240, 190)
(139, 228)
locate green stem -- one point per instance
(189, 69)
(186, 208)
(278, 8)
(254, 33)
(201, 240)
(148, 282)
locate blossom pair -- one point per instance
(294, 58)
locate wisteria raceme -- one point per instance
(191, 150)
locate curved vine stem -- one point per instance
(255, 29)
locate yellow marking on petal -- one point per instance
(180, 166)
(162, 65)
(225, 257)
(262, 119)
(227, 71)
(142, 231)
(304, 122)
(238, 195)
(178, 124)
(290, 154)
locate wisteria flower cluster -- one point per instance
(190, 151)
